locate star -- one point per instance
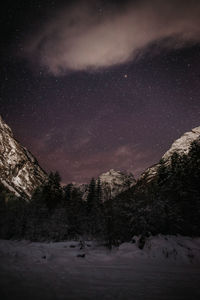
(142, 102)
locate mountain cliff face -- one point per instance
(181, 146)
(19, 170)
(115, 182)
(112, 183)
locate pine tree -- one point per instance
(91, 196)
(52, 192)
(99, 191)
(94, 209)
(100, 220)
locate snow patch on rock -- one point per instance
(115, 182)
(181, 146)
(19, 170)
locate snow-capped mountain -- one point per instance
(112, 183)
(115, 182)
(19, 170)
(181, 146)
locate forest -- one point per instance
(169, 204)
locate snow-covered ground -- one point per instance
(168, 268)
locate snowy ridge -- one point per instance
(115, 182)
(112, 183)
(19, 170)
(181, 146)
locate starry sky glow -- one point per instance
(83, 105)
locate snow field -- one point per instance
(167, 267)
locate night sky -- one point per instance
(96, 85)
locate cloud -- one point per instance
(81, 167)
(80, 164)
(82, 37)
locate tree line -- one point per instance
(169, 204)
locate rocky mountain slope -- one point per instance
(19, 170)
(115, 182)
(181, 146)
(21, 173)
(112, 183)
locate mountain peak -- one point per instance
(114, 182)
(4, 127)
(19, 170)
(181, 146)
(113, 172)
(110, 173)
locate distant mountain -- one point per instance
(115, 182)
(112, 183)
(19, 170)
(180, 146)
